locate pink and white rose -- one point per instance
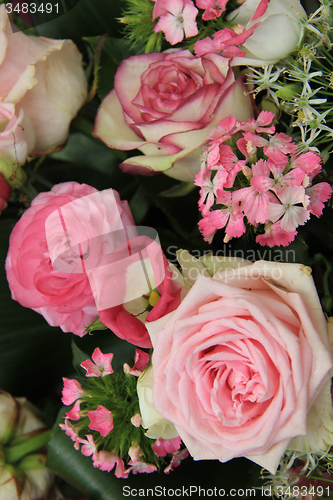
(165, 104)
(45, 79)
(47, 276)
(246, 354)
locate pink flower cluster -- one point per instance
(101, 421)
(177, 17)
(250, 171)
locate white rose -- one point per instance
(158, 427)
(277, 35)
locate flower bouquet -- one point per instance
(166, 233)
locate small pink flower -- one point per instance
(140, 467)
(235, 226)
(72, 391)
(74, 413)
(101, 365)
(164, 446)
(278, 146)
(225, 129)
(209, 224)
(209, 187)
(213, 8)
(275, 236)
(225, 42)
(176, 460)
(254, 204)
(105, 460)
(259, 125)
(135, 453)
(136, 420)
(71, 432)
(310, 162)
(230, 163)
(290, 215)
(141, 361)
(101, 420)
(319, 193)
(176, 18)
(88, 446)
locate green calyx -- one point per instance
(117, 393)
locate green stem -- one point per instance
(14, 453)
(29, 190)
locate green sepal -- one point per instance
(33, 461)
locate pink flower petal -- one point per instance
(101, 366)
(319, 194)
(72, 391)
(74, 413)
(101, 420)
(164, 446)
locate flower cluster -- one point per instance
(249, 170)
(105, 420)
(300, 85)
(240, 357)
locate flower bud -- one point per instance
(22, 473)
(288, 92)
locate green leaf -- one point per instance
(180, 189)
(87, 18)
(78, 357)
(33, 355)
(78, 471)
(139, 205)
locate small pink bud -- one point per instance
(136, 420)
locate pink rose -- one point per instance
(43, 77)
(165, 104)
(237, 367)
(62, 292)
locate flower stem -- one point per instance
(14, 453)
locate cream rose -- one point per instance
(43, 77)
(277, 35)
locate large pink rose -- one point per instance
(165, 104)
(44, 272)
(237, 367)
(43, 77)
